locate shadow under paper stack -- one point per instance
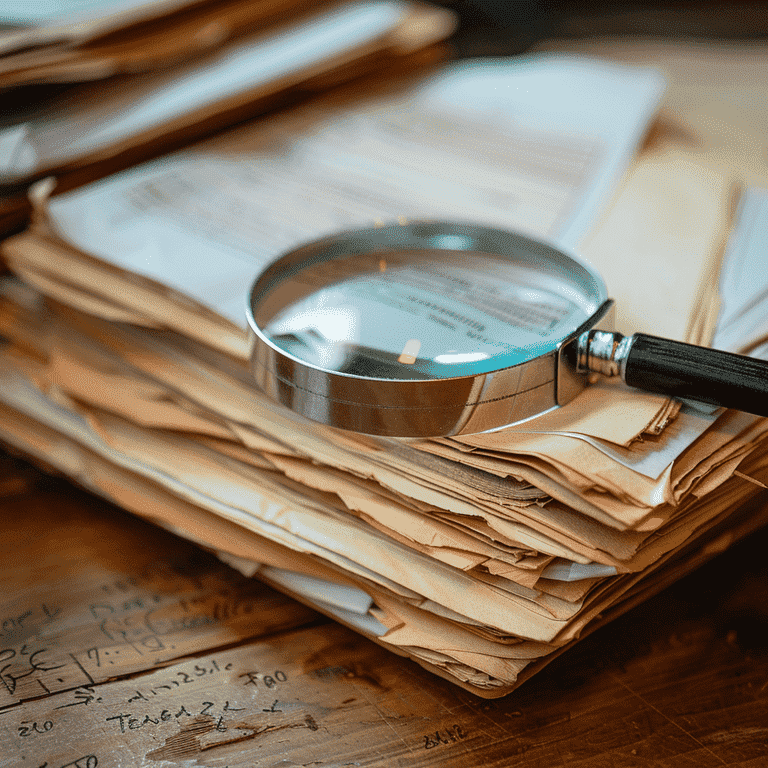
(481, 558)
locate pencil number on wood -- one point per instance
(29, 729)
(127, 722)
(121, 586)
(86, 761)
(27, 660)
(270, 681)
(41, 615)
(448, 736)
(182, 678)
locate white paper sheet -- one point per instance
(28, 23)
(563, 570)
(54, 11)
(340, 596)
(110, 114)
(535, 144)
(742, 325)
(651, 458)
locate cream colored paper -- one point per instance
(105, 120)
(485, 666)
(229, 210)
(491, 637)
(179, 32)
(40, 22)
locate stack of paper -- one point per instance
(47, 42)
(203, 67)
(482, 557)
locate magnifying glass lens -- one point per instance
(424, 314)
(429, 329)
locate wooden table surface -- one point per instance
(123, 645)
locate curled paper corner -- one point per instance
(247, 567)
(40, 192)
(38, 195)
(18, 156)
(425, 26)
(750, 479)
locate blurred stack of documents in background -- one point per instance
(145, 77)
(480, 557)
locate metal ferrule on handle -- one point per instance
(603, 352)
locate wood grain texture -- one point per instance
(240, 676)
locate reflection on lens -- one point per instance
(423, 314)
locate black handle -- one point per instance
(709, 375)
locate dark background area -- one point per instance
(499, 27)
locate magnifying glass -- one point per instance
(431, 329)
